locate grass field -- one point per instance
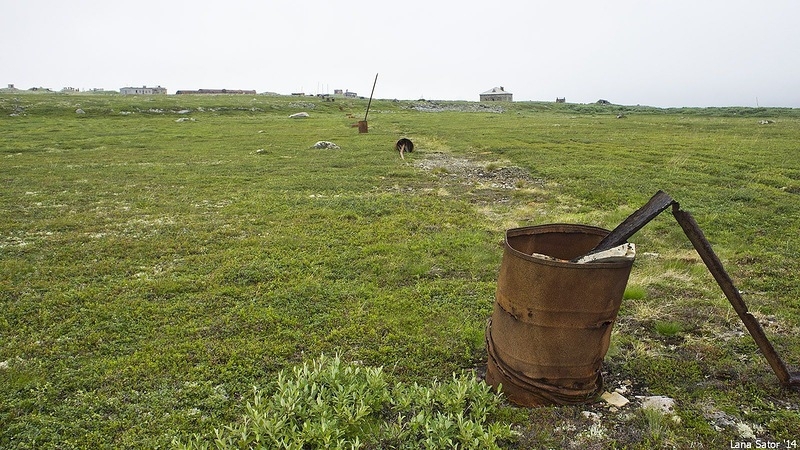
(153, 270)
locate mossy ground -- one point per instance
(152, 271)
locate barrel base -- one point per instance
(525, 391)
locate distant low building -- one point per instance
(218, 91)
(496, 94)
(144, 90)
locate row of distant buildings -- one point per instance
(144, 90)
(158, 90)
(495, 94)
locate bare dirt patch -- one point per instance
(492, 175)
(505, 194)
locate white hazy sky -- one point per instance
(649, 52)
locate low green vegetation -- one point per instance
(634, 293)
(328, 404)
(668, 328)
(161, 256)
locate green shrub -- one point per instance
(331, 404)
(634, 293)
(668, 328)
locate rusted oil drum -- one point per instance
(551, 324)
(404, 145)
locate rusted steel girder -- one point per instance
(703, 247)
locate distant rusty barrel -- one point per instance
(551, 324)
(362, 126)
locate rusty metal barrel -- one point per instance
(552, 319)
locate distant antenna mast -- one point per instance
(370, 96)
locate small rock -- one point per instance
(299, 115)
(261, 151)
(659, 403)
(80, 111)
(185, 119)
(745, 432)
(615, 399)
(325, 144)
(591, 415)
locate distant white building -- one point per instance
(144, 90)
(345, 93)
(496, 94)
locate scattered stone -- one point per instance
(300, 115)
(302, 105)
(745, 432)
(184, 111)
(615, 399)
(185, 119)
(591, 415)
(325, 144)
(261, 151)
(623, 388)
(719, 420)
(432, 106)
(765, 122)
(7, 363)
(80, 111)
(659, 403)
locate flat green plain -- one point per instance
(162, 255)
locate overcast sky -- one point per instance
(659, 53)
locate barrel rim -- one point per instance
(560, 228)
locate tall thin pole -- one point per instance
(370, 97)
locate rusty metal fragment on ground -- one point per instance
(703, 247)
